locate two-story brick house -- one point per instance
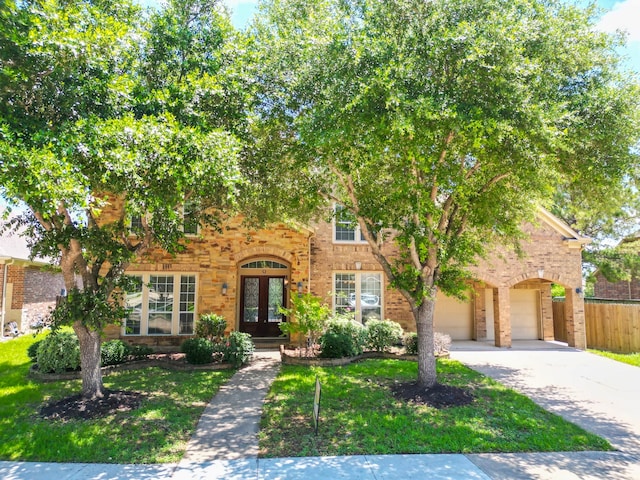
(245, 275)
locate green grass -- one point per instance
(359, 415)
(630, 358)
(156, 432)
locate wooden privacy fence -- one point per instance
(610, 326)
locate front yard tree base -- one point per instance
(436, 396)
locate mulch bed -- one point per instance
(438, 396)
(76, 407)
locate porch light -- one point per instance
(580, 292)
(224, 288)
(299, 287)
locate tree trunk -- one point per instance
(426, 355)
(90, 341)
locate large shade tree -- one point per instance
(443, 124)
(102, 106)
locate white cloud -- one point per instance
(624, 16)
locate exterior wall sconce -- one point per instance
(580, 292)
(358, 265)
(224, 288)
(299, 287)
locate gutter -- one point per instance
(6, 262)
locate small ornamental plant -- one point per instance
(306, 318)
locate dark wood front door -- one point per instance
(260, 300)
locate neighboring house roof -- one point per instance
(570, 236)
(13, 246)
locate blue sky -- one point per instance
(621, 15)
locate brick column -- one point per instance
(502, 316)
(479, 313)
(546, 310)
(574, 317)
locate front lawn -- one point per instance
(156, 432)
(630, 358)
(359, 415)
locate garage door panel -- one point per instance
(453, 317)
(525, 314)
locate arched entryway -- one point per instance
(263, 290)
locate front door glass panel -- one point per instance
(251, 299)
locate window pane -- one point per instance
(345, 227)
(160, 304)
(276, 298)
(370, 294)
(251, 299)
(187, 304)
(136, 223)
(190, 219)
(345, 292)
(133, 302)
(264, 264)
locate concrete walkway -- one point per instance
(597, 393)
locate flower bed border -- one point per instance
(166, 363)
(339, 362)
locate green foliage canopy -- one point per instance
(445, 124)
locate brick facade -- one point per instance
(623, 290)
(31, 293)
(552, 254)
(215, 259)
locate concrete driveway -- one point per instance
(599, 394)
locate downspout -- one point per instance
(4, 289)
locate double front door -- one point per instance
(261, 297)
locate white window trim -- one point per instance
(358, 279)
(185, 233)
(148, 217)
(175, 312)
(130, 222)
(357, 235)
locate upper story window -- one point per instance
(345, 228)
(190, 223)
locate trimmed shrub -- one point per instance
(336, 345)
(383, 334)
(411, 343)
(198, 351)
(343, 337)
(211, 326)
(113, 352)
(139, 352)
(32, 351)
(59, 352)
(239, 348)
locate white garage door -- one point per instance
(525, 314)
(453, 317)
